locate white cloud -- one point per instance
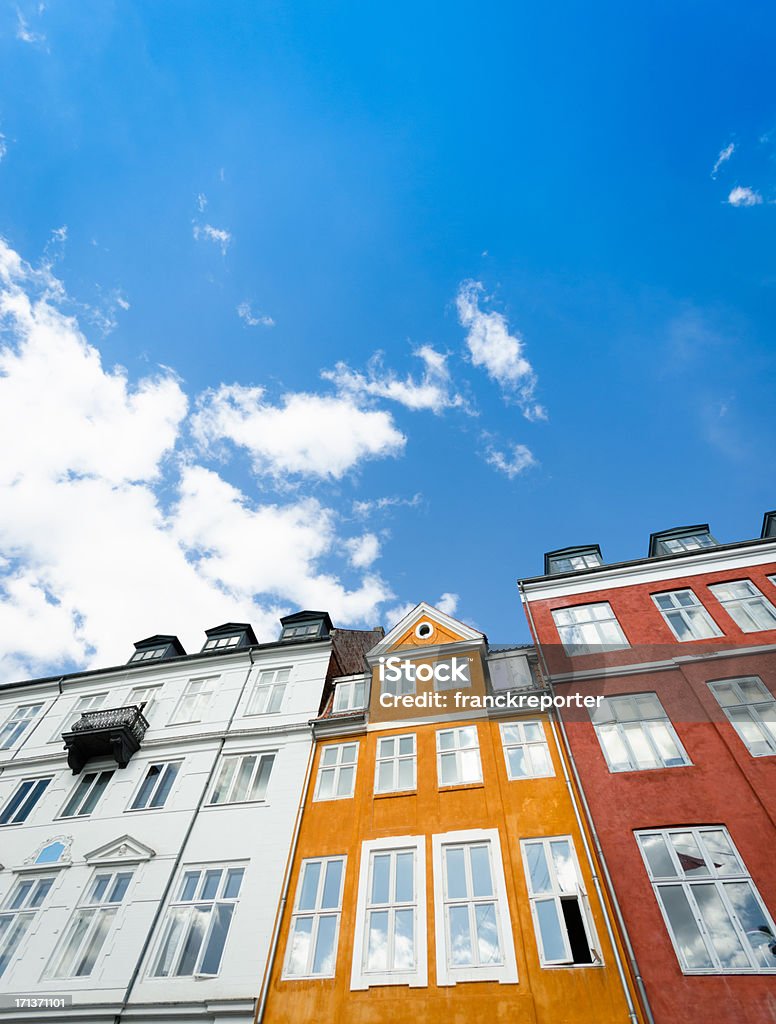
(218, 235)
(363, 551)
(246, 314)
(433, 391)
(3, 147)
(316, 435)
(369, 506)
(448, 603)
(744, 196)
(500, 353)
(201, 201)
(724, 155)
(513, 462)
(25, 33)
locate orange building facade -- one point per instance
(441, 870)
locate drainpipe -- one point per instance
(179, 857)
(265, 981)
(578, 796)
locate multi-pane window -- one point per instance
(452, 673)
(17, 723)
(22, 801)
(149, 654)
(573, 563)
(196, 697)
(85, 935)
(86, 794)
(312, 942)
(751, 710)
(587, 628)
(747, 607)
(685, 542)
(197, 922)
(91, 702)
(458, 756)
(390, 913)
(337, 771)
(304, 630)
(526, 751)
(268, 692)
(18, 913)
(685, 615)
(242, 778)
(714, 914)
(396, 764)
(156, 785)
(143, 695)
(474, 935)
(636, 733)
(396, 680)
(222, 643)
(558, 902)
(350, 696)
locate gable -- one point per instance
(124, 850)
(444, 630)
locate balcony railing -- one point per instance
(112, 732)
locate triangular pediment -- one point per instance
(124, 850)
(408, 633)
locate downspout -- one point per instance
(577, 795)
(174, 872)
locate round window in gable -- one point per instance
(423, 630)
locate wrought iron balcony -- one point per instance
(112, 732)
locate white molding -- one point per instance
(124, 850)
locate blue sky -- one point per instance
(356, 305)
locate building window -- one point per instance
(573, 562)
(636, 733)
(196, 697)
(686, 617)
(458, 756)
(747, 607)
(390, 939)
(145, 696)
(559, 907)
(24, 798)
(337, 772)
(314, 931)
(86, 794)
(526, 751)
(17, 724)
(395, 679)
(350, 696)
(242, 779)
(396, 764)
(714, 914)
(268, 692)
(197, 922)
(92, 702)
(452, 673)
(18, 914)
(474, 935)
(222, 643)
(589, 628)
(685, 542)
(751, 710)
(304, 631)
(156, 785)
(149, 654)
(88, 929)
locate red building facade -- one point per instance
(677, 764)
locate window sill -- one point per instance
(453, 787)
(657, 768)
(395, 793)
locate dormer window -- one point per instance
(157, 648)
(313, 629)
(221, 643)
(681, 540)
(305, 625)
(228, 637)
(150, 654)
(572, 559)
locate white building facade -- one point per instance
(149, 892)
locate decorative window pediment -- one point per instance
(124, 850)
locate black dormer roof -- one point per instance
(579, 549)
(243, 631)
(168, 645)
(293, 626)
(677, 533)
(769, 524)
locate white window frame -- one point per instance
(506, 972)
(263, 692)
(337, 767)
(18, 722)
(601, 646)
(86, 702)
(173, 904)
(18, 912)
(166, 768)
(146, 654)
(557, 894)
(458, 749)
(220, 644)
(588, 559)
(685, 542)
(316, 914)
(261, 756)
(714, 877)
(738, 607)
(95, 912)
(149, 698)
(394, 760)
(347, 692)
(752, 709)
(200, 700)
(619, 725)
(98, 773)
(526, 744)
(360, 978)
(698, 608)
(15, 819)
